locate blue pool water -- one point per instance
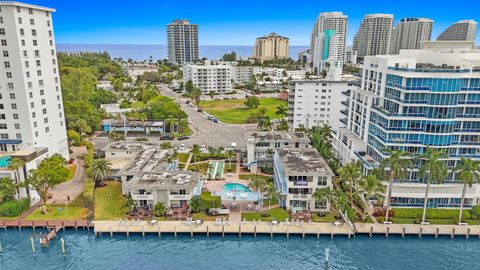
(232, 187)
(85, 251)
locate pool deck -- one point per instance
(303, 229)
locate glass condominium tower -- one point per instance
(425, 98)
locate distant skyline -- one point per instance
(231, 23)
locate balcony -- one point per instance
(143, 197)
(346, 93)
(176, 197)
(344, 120)
(345, 103)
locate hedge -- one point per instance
(14, 208)
(431, 213)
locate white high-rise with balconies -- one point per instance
(410, 33)
(465, 30)
(182, 39)
(329, 36)
(32, 123)
(374, 35)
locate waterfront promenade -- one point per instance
(282, 228)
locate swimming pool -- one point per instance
(234, 187)
(85, 251)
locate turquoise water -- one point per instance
(232, 187)
(85, 251)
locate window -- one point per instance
(4, 136)
(39, 73)
(4, 42)
(49, 33)
(32, 105)
(47, 129)
(44, 111)
(30, 95)
(25, 53)
(15, 116)
(22, 32)
(2, 31)
(3, 126)
(38, 63)
(9, 75)
(12, 95)
(43, 101)
(6, 64)
(34, 115)
(48, 23)
(1, 19)
(19, 20)
(45, 120)
(23, 42)
(34, 32)
(40, 83)
(32, 22)
(27, 74)
(42, 92)
(10, 86)
(30, 11)
(36, 133)
(2, 116)
(17, 125)
(18, 9)
(34, 42)
(51, 42)
(5, 53)
(27, 65)
(19, 136)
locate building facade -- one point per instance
(329, 37)
(374, 35)
(317, 102)
(464, 30)
(414, 100)
(208, 78)
(350, 57)
(298, 173)
(270, 47)
(182, 40)
(410, 33)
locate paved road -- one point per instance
(204, 131)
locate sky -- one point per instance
(229, 22)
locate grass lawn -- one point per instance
(72, 168)
(53, 213)
(209, 201)
(235, 111)
(203, 216)
(278, 214)
(183, 157)
(200, 167)
(329, 217)
(8, 218)
(247, 176)
(109, 201)
(230, 168)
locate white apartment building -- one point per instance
(465, 30)
(32, 123)
(296, 74)
(416, 99)
(329, 37)
(261, 145)
(410, 33)
(182, 40)
(317, 102)
(270, 47)
(215, 78)
(298, 173)
(350, 57)
(374, 35)
(243, 74)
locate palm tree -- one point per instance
(100, 170)
(15, 164)
(281, 111)
(370, 186)
(434, 170)
(195, 152)
(270, 153)
(468, 174)
(258, 184)
(397, 164)
(183, 124)
(230, 155)
(350, 173)
(324, 195)
(271, 193)
(159, 209)
(8, 189)
(170, 122)
(129, 204)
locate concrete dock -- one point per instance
(286, 229)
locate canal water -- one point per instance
(85, 251)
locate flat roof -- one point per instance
(128, 146)
(20, 4)
(279, 136)
(164, 180)
(303, 161)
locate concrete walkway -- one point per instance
(71, 189)
(188, 162)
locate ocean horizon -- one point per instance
(159, 52)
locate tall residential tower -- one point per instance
(374, 35)
(410, 33)
(328, 40)
(182, 39)
(270, 47)
(461, 30)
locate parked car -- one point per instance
(188, 101)
(199, 110)
(215, 120)
(166, 137)
(181, 138)
(210, 117)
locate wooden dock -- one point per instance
(286, 229)
(74, 224)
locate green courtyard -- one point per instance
(235, 111)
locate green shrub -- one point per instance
(475, 211)
(431, 213)
(14, 208)
(166, 145)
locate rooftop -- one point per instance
(279, 136)
(164, 180)
(128, 146)
(20, 4)
(303, 161)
